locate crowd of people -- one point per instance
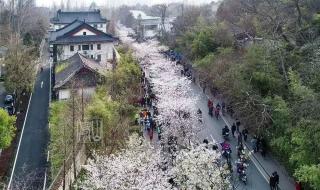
(147, 117)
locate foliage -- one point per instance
(60, 135)
(7, 129)
(20, 69)
(60, 67)
(124, 80)
(114, 101)
(310, 174)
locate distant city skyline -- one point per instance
(114, 3)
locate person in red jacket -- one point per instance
(298, 185)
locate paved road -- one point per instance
(31, 162)
(212, 130)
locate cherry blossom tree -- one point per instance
(141, 166)
(200, 168)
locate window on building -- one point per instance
(79, 47)
(99, 58)
(84, 33)
(85, 47)
(98, 46)
(71, 48)
(101, 25)
(91, 46)
(91, 56)
(95, 25)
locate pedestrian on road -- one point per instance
(217, 112)
(151, 133)
(298, 185)
(258, 144)
(263, 147)
(233, 129)
(239, 139)
(276, 178)
(238, 125)
(272, 182)
(254, 143)
(223, 108)
(245, 133)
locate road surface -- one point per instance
(31, 160)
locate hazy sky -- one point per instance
(112, 3)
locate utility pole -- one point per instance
(73, 136)
(82, 105)
(64, 157)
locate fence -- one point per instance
(81, 157)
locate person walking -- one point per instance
(263, 147)
(258, 144)
(254, 143)
(272, 182)
(245, 133)
(276, 178)
(239, 139)
(298, 185)
(238, 123)
(233, 129)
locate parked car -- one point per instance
(8, 99)
(10, 109)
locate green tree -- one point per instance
(261, 72)
(309, 175)
(20, 69)
(7, 129)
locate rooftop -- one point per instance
(64, 35)
(66, 17)
(137, 13)
(74, 64)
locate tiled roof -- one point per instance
(74, 64)
(66, 29)
(65, 35)
(66, 17)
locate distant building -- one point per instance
(80, 37)
(78, 73)
(149, 26)
(92, 17)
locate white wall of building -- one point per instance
(106, 51)
(65, 94)
(100, 26)
(81, 32)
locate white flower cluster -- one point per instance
(141, 167)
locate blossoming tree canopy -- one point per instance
(136, 167)
(200, 168)
(140, 166)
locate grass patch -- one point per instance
(60, 67)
